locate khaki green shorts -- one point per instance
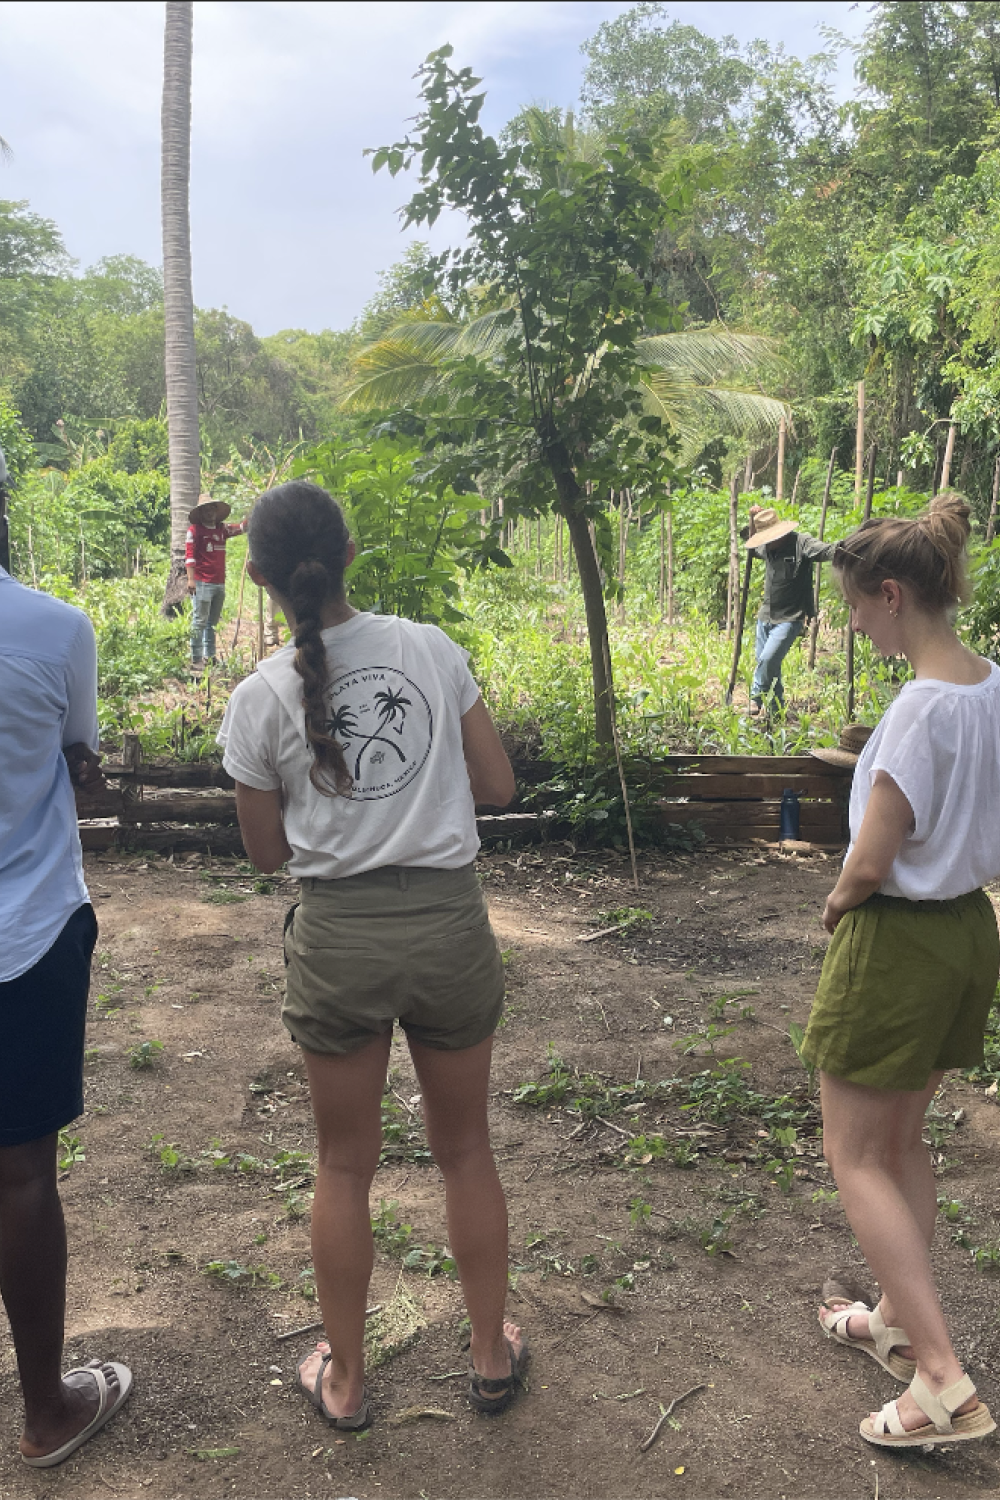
(906, 990)
(411, 945)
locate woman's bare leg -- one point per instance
(346, 1100)
(455, 1087)
(872, 1139)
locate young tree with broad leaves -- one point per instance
(563, 250)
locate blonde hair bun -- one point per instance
(928, 553)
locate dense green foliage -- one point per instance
(703, 189)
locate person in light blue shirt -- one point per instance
(48, 743)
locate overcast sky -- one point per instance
(290, 228)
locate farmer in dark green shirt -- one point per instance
(788, 556)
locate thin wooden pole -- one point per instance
(745, 595)
(662, 593)
(850, 629)
(795, 486)
(869, 495)
(859, 444)
(949, 453)
(670, 566)
(732, 591)
(622, 548)
(779, 483)
(991, 524)
(814, 628)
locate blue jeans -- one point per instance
(205, 612)
(773, 644)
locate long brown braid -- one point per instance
(298, 539)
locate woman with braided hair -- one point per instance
(359, 753)
(912, 969)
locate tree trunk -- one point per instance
(178, 301)
(597, 622)
(570, 503)
(949, 453)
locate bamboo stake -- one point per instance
(991, 524)
(795, 486)
(949, 453)
(670, 566)
(850, 627)
(622, 547)
(662, 588)
(621, 769)
(779, 483)
(814, 627)
(859, 444)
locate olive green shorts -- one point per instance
(905, 991)
(412, 945)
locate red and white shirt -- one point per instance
(206, 550)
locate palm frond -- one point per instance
(703, 355)
(406, 366)
(697, 412)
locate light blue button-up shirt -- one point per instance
(48, 700)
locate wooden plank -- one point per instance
(99, 836)
(753, 765)
(103, 804)
(811, 814)
(725, 788)
(180, 774)
(180, 809)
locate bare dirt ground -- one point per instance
(711, 1239)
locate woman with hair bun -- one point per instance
(911, 972)
(359, 753)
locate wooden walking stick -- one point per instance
(732, 588)
(814, 627)
(850, 628)
(744, 596)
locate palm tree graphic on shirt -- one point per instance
(392, 708)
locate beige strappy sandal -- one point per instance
(880, 1346)
(887, 1431)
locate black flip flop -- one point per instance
(494, 1396)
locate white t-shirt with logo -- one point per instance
(940, 743)
(397, 693)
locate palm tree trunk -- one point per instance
(178, 301)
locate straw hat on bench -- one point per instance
(853, 739)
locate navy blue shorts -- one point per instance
(43, 1019)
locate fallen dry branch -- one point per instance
(645, 1446)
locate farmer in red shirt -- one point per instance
(205, 560)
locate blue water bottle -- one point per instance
(789, 814)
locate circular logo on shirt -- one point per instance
(384, 725)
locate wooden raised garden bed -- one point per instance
(734, 799)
